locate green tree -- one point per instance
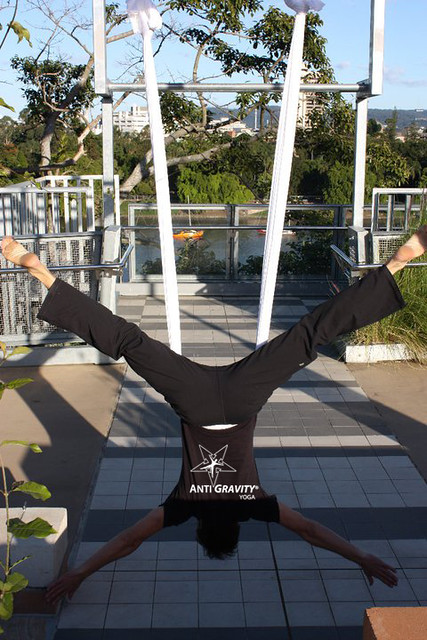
(227, 36)
(374, 127)
(414, 150)
(391, 127)
(193, 185)
(12, 26)
(251, 160)
(339, 187)
(221, 29)
(390, 168)
(56, 92)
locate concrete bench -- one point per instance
(46, 554)
(395, 623)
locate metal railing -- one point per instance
(227, 219)
(107, 267)
(353, 269)
(93, 181)
(57, 204)
(76, 258)
(398, 205)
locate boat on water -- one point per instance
(187, 234)
(285, 232)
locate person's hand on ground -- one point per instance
(66, 585)
(374, 567)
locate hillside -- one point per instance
(405, 117)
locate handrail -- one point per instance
(239, 87)
(354, 265)
(106, 266)
(238, 227)
(49, 236)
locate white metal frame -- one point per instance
(363, 90)
(408, 206)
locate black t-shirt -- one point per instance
(219, 477)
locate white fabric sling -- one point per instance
(145, 20)
(282, 166)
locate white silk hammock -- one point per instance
(282, 166)
(145, 20)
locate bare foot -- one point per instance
(413, 248)
(16, 253)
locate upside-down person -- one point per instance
(218, 406)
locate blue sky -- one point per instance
(346, 27)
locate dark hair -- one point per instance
(219, 538)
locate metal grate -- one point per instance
(384, 245)
(22, 295)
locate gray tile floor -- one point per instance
(321, 447)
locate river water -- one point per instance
(213, 248)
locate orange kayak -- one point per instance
(188, 233)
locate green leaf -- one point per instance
(15, 582)
(21, 32)
(6, 606)
(34, 489)
(5, 105)
(23, 443)
(1, 389)
(38, 528)
(2, 344)
(20, 350)
(17, 383)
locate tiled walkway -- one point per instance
(321, 446)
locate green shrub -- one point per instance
(408, 326)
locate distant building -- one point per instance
(308, 102)
(233, 129)
(133, 121)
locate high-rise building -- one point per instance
(308, 102)
(133, 121)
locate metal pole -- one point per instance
(359, 161)
(99, 44)
(108, 162)
(242, 87)
(110, 253)
(376, 47)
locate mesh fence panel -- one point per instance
(383, 246)
(22, 295)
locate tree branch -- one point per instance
(9, 26)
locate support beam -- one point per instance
(376, 47)
(108, 280)
(108, 162)
(239, 87)
(100, 51)
(359, 161)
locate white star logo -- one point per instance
(213, 463)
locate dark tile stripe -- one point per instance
(264, 452)
(224, 633)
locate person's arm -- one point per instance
(320, 536)
(122, 545)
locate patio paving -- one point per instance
(321, 446)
